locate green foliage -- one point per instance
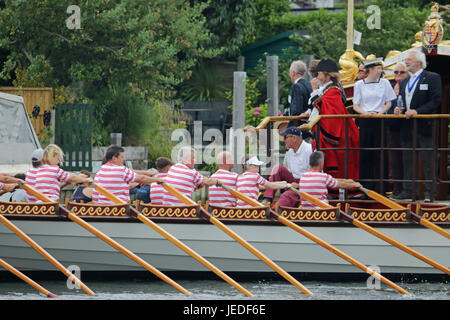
(204, 85)
(152, 44)
(231, 23)
(328, 31)
(267, 13)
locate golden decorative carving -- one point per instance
(374, 215)
(239, 213)
(309, 215)
(155, 211)
(92, 210)
(30, 209)
(349, 67)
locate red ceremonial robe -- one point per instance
(332, 135)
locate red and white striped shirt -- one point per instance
(184, 179)
(219, 196)
(115, 179)
(316, 184)
(247, 183)
(47, 180)
(30, 177)
(157, 191)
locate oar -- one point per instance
(415, 217)
(208, 217)
(375, 232)
(108, 240)
(174, 240)
(19, 274)
(316, 239)
(44, 253)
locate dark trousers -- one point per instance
(427, 160)
(393, 140)
(369, 161)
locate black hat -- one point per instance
(292, 130)
(327, 65)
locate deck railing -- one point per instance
(439, 149)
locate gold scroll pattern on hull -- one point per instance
(154, 211)
(239, 213)
(91, 210)
(31, 209)
(299, 214)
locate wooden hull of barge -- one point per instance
(72, 245)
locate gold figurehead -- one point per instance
(349, 67)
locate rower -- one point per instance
(49, 176)
(251, 181)
(185, 178)
(157, 191)
(217, 195)
(316, 182)
(8, 183)
(115, 177)
(30, 175)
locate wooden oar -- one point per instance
(375, 232)
(19, 274)
(415, 217)
(108, 240)
(44, 253)
(317, 240)
(174, 240)
(208, 217)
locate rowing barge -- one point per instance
(73, 245)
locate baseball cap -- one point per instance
(37, 155)
(254, 161)
(291, 130)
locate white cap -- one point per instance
(254, 161)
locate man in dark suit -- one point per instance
(299, 95)
(421, 94)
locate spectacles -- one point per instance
(362, 71)
(285, 138)
(399, 72)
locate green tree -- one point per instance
(231, 23)
(151, 44)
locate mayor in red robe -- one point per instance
(332, 132)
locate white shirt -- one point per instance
(298, 162)
(409, 94)
(373, 96)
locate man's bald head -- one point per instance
(225, 160)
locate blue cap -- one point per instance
(292, 130)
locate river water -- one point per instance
(138, 289)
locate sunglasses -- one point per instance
(399, 72)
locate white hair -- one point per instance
(298, 67)
(419, 56)
(400, 64)
(185, 153)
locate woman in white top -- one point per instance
(372, 96)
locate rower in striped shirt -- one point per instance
(251, 181)
(157, 191)
(316, 182)
(115, 177)
(217, 195)
(8, 183)
(185, 178)
(48, 177)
